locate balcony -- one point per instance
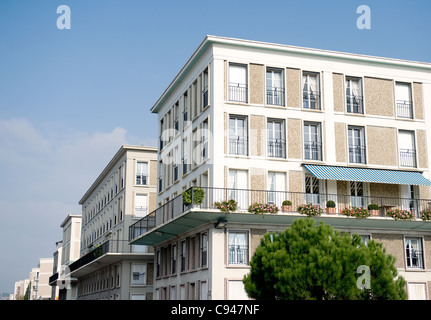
(275, 96)
(238, 145)
(408, 158)
(311, 99)
(176, 208)
(313, 150)
(277, 148)
(354, 104)
(357, 154)
(404, 109)
(238, 92)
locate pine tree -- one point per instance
(309, 262)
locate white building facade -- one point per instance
(264, 123)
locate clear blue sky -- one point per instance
(70, 98)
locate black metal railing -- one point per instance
(415, 258)
(238, 92)
(357, 154)
(238, 254)
(404, 109)
(275, 96)
(246, 197)
(238, 145)
(313, 150)
(408, 158)
(354, 104)
(311, 99)
(277, 148)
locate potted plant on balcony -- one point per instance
(357, 212)
(286, 206)
(259, 208)
(400, 214)
(195, 195)
(226, 206)
(373, 209)
(426, 214)
(330, 207)
(311, 210)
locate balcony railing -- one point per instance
(357, 154)
(246, 197)
(404, 109)
(311, 100)
(277, 148)
(238, 145)
(408, 158)
(354, 104)
(238, 254)
(313, 150)
(275, 96)
(238, 92)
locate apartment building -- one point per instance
(39, 280)
(264, 123)
(109, 268)
(68, 251)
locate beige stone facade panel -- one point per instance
(256, 136)
(294, 138)
(422, 149)
(427, 251)
(152, 203)
(340, 142)
(293, 88)
(257, 83)
(381, 146)
(418, 101)
(385, 190)
(394, 245)
(296, 181)
(424, 192)
(153, 172)
(257, 182)
(379, 97)
(338, 91)
(255, 238)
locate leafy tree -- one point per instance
(309, 262)
(27, 292)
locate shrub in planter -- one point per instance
(310, 209)
(426, 214)
(226, 206)
(286, 206)
(259, 208)
(198, 195)
(374, 209)
(356, 212)
(330, 207)
(399, 214)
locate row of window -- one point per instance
(311, 90)
(276, 141)
(109, 278)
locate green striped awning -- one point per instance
(367, 175)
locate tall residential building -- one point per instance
(64, 287)
(20, 289)
(39, 280)
(264, 123)
(108, 266)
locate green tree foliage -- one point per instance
(316, 262)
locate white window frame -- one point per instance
(238, 257)
(410, 262)
(142, 281)
(306, 75)
(350, 93)
(277, 99)
(243, 96)
(308, 155)
(351, 143)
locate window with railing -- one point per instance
(276, 138)
(238, 135)
(141, 173)
(311, 90)
(275, 86)
(414, 253)
(354, 95)
(406, 143)
(204, 250)
(312, 141)
(238, 88)
(238, 248)
(403, 100)
(357, 149)
(205, 89)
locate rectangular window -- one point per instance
(158, 263)
(176, 161)
(238, 87)
(417, 291)
(403, 98)
(141, 205)
(142, 173)
(205, 89)
(204, 136)
(204, 250)
(406, 142)
(238, 247)
(414, 253)
(238, 135)
(276, 138)
(312, 141)
(183, 255)
(277, 188)
(312, 190)
(174, 259)
(185, 155)
(139, 274)
(354, 95)
(311, 90)
(357, 149)
(238, 187)
(275, 86)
